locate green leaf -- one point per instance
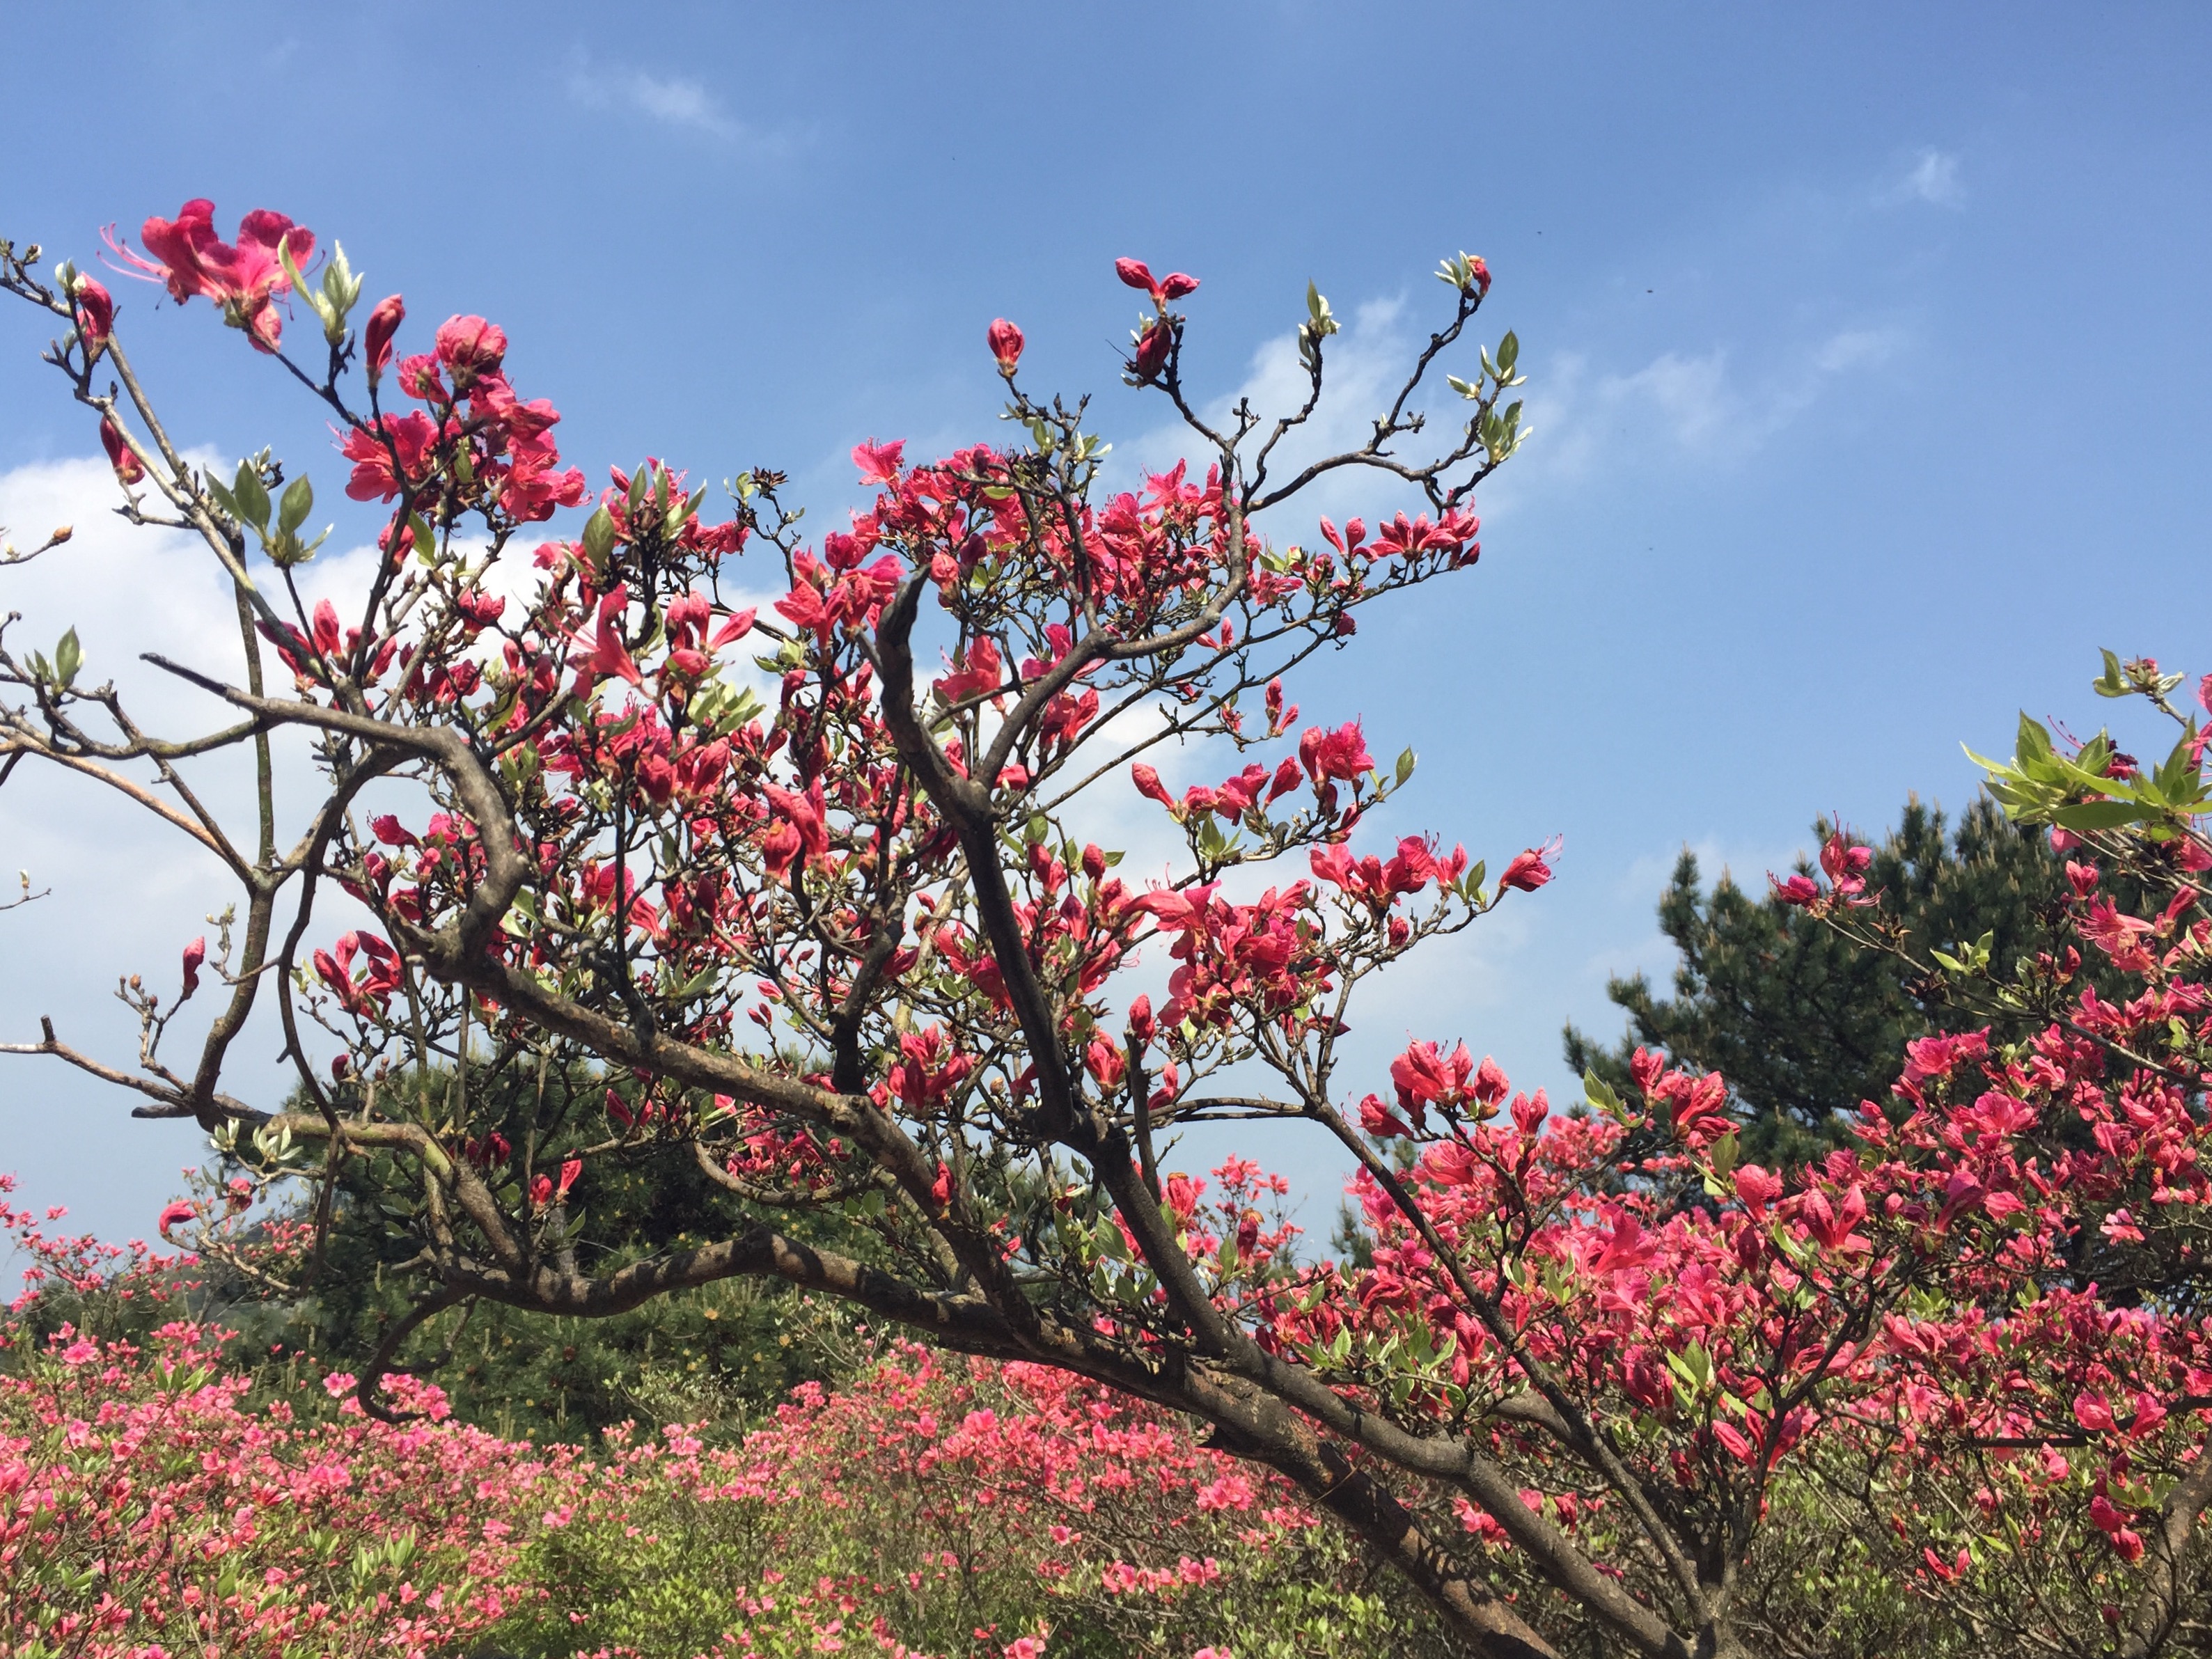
(1693, 1366)
(2177, 778)
(1110, 1242)
(600, 537)
(68, 656)
(2111, 683)
(299, 502)
(252, 499)
(1600, 1094)
(1509, 351)
(1405, 767)
(700, 982)
(333, 321)
(1724, 1153)
(2100, 815)
(1995, 769)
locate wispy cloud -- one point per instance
(673, 100)
(1703, 406)
(1933, 178)
(1697, 406)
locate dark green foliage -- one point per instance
(726, 1352)
(1804, 1024)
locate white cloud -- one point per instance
(1701, 406)
(124, 588)
(126, 891)
(1855, 348)
(1696, 406)
(1933, 178)
(673, 100)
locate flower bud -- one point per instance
(376, 339)
(1005, 341)
(95, 312)
(1151, 355)
(1135, 273)
(129, 469)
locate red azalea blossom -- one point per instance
(242, 279)
(1530, 869)
(470, 349)
(878, 463)
(1801, 890)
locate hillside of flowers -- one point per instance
(165, 1496)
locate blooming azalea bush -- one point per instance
(145, 1510)
(943, 1506)
(162, 1499)
(657, 874)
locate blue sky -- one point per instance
(1866, 354)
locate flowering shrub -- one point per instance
(144, 1511)
(827, 926)
(954, 1508)
(150, 1507)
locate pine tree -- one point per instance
(1803, 1023)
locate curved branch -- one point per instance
(169, 1101)
(20, 743)
(380, 1364)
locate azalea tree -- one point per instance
(809, 894)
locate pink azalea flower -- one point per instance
(879, 463)
(241, 278)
